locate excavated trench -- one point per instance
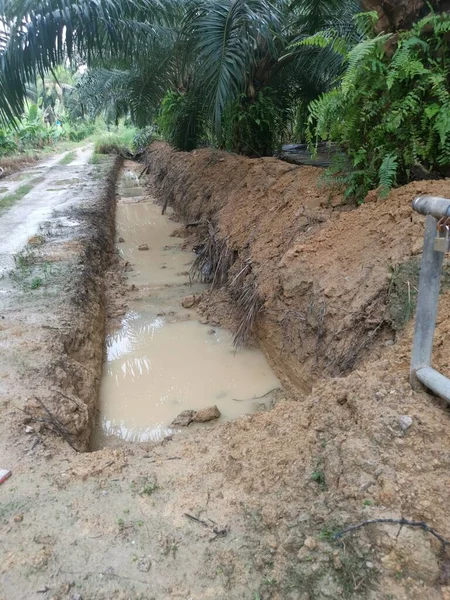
(161, 359)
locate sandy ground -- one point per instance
(247, 509)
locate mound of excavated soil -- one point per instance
(11, 165)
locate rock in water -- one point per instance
(206, 414)
(184, 419)
(188, 301)
(143, 247)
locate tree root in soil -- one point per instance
(418, 524)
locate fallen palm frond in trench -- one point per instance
(57, 426)
(250, 302)
(52, 423)
(214, 259)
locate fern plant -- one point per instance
(391, 112)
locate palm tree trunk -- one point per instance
(401, 14)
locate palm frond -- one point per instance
(40, 35)
(225, 34)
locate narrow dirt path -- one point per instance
(44, 188)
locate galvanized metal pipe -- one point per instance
(427, 300)
(434, 381)
(432, 205)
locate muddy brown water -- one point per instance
(162, 360)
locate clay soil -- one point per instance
(247, 509)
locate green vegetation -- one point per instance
(117, 142)
(346, 573)
(9, 199)
(97, 159)
(240, 75)
(181, 121)
(31, 271)
(48, 119)
(225, 72)
(68, 158)
(391, 111)
(36, 283)
(145, 485)
(319, 478)
(108, 143)
(149, 488)
(255, 127)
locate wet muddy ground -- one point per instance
(33, 195)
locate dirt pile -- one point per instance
(321, 274)
(359, 447)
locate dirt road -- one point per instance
(44, 188)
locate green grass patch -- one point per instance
(319, 478)
(109, 143)
(9, 199)
(116, 142)
(68, 158)
(36, 283)
(98, 159)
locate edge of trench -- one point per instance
(77, 351)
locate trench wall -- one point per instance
(68, 404)
(322, 269)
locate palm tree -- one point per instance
(403, 13)
(218, 52)
(38, 36)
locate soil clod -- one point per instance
(184, 419)
(206, 414)
(189, 301)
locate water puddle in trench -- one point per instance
(162, 360)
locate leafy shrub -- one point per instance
(7, 143)
(254, 126)
(118, 142)
(180, 120)
(32, 132)
(143, 138)
(391, 112)
(109, 143)
(78, 132)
